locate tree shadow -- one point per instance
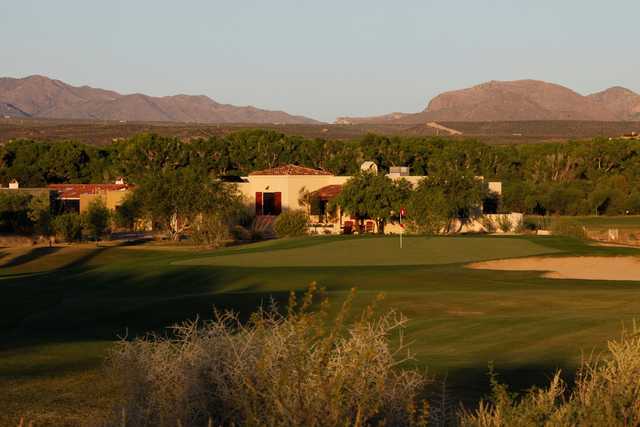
(464, 387)
(32, 255)
(83, 260)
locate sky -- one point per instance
(321, 59)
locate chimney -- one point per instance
(14, 185)
(120, 180)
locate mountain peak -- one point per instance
(520, 100)
(40, 96)
(622, 102)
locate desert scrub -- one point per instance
(291, 223)
(569, 228)
(606, 393)
(504, 223)
(211, 230)
(279, 369)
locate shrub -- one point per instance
(239, 233)
(488, 224)
(128, 213)
(569, 228)
(293, 369)
(68, 227)
(211, 231)
(504, 223)
(532, 223)
(96, 219)
(291, 223)
(606, 393)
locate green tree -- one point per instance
(175, 198)
(375, 196)
(96, 219)
(441, 199)
(14, 211)
(68, 226)
(39, 214)
(128, 213)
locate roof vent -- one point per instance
(14, 184)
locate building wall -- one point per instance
(289, 186)
(111, 199)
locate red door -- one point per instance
(278, 203)
(258, 204)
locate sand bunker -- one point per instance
(585, 268)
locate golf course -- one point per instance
(62, 308)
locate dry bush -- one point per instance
(504, 223)
(488, 224)
(211, 231)
(293, 369)
(569, 228)
(606, 393)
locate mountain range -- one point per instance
(42, 97)
(520, 100)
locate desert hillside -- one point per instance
(520, 100)
(42, 97)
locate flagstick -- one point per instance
(401, 230)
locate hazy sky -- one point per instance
(321, 58)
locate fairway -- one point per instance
(378, 251)
(62, 308)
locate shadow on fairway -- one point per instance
(466, 386)
(32, 255)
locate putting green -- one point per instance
(377, 251)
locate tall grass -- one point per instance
(569, 228)
(606, 393)
(278, 369)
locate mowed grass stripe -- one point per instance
(381, 251)
(60, 311)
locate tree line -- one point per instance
(574, 178)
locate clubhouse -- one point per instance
(272, 191)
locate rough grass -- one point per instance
(596, 222)
(58, 318)
(606, 393)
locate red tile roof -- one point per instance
(73, 191)
(291, 170)
(328, 192)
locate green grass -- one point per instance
(60, 310)
(377, 251)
